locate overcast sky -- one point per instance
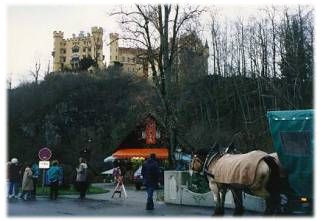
(30, 32)
(30, 28)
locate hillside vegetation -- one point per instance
(66, 110)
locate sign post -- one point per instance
(44, 163)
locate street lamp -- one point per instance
(178, 157)
(86, 152)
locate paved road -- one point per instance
(103, 205)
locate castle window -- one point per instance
(84, 49)
(75, 49)
(75, 62)
(122, 59)
(116, 57)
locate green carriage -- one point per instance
(293, 139)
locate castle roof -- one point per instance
(131, 50)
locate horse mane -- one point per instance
(202, 151)
(205, 151)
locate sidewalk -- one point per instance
(136, 196)
(103, 205)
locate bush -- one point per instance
(198, 183)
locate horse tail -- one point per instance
(274, 176)
(273, 186)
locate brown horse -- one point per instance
(262, 182)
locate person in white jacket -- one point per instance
(81, 179)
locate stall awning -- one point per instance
(161, 153)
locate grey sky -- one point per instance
(30, 30)
(30, 27)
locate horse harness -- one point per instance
(212, 155)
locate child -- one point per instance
(119, 183)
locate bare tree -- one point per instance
(271, 13)
(156, 29)
(36, 72)
(9, 81)
(48, 69)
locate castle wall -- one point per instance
(66, 56)
(127, 57)
(186, 68)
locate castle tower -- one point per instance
(58, 50)
(97, 45)
(114, 48)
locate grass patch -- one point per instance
(71, 191)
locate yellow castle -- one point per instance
(132, 60)
(67, 53)
(190, 62)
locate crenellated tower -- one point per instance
(114, 48)
(97, 45)
(58, 49)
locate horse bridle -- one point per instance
(209, 158)
(196, 158)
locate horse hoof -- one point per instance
(238, 212)
(218, 212)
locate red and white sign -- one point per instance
(44, 154)
(151, 132)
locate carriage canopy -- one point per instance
(293, 136)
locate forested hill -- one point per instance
(66, 110)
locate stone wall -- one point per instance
(176, 192)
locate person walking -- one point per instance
(14, 174)
(35, 176)
(81, 179)
(8, 175)
(116, 171)
(118, 177)
(27, 183)
(151, 173)
(54, 178)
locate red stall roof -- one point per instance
(161, 153)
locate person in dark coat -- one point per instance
(151, 173)
(14, 178)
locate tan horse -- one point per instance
(263, 182)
